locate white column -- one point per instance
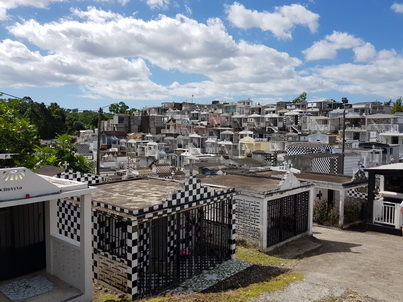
(50, 229)
(86, 247)
(398, 216)
(310, 209)
(341, 207)
(263, 223)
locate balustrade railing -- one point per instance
(386, 212)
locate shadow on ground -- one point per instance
(310, 246)
(251, 275)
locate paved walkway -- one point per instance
(367, 262)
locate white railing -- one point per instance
(386, 212)
(319, 127)
(382, 127)
(170, 131)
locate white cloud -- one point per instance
(280, 23)
(10, 4)
(108, 54)
(174, 44)
(158, 4)
(327, 48)
(188, 10)
(397, 8)
(364, 53)
(122, 2)
(377, 78)
(94, 15)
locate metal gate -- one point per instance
(184, 244)
(22, 240)
(287, 217)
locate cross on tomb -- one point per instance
(319, 195)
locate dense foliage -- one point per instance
(24, 122)
(300, 99)
(397, 106)
(17, 134)
(120, 108)
(49, 120)
(60, 154)
(53, 120)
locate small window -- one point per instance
(393, 183)
(395, 139)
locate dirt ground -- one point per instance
(337, 265)
(368, 263)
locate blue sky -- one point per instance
(87, 54)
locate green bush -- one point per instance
(352, 210)
(323, 214)
(320, 211)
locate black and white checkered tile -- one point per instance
(326, 165)
(355, 194)
(192, 194)
(68, 219)
(82, 177)
(299, 150)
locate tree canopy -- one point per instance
(20, 121)
(397, 106)
(301, 98)
(120, 108)
(49, 120)
(60, 154)
(17, 134)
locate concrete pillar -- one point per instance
(132, 259)
(50, 229)
(263, 223)
(86, 247)
(310, 209)
(341, 207)
(371, 196)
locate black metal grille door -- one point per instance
(22, 240)
(182, 245)
(287, 217)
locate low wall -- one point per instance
(66, 260)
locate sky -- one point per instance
(88, 54)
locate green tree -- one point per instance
(388, 103)
(57, 119)
(61, 154)
(50, 120)
(17, 134)
(301, 98)
(77, 121)
(120, 108)
(397, 106)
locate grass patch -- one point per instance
(255, 257)
(348, 296)
(278, 283)
(240, 295)
(106, 297)
(246, 292)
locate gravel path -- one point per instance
(369, 263)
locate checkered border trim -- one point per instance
(297, 150)
(355, 194)
(193, 193)
(82, 177)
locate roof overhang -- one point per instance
(20, 186)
